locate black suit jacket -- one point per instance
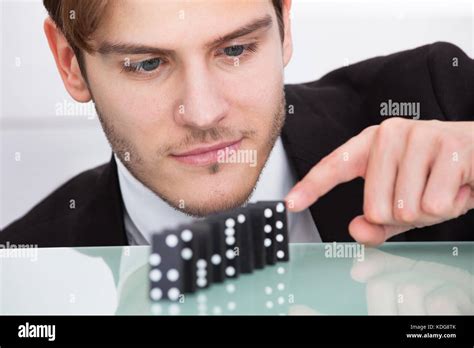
(327, 112)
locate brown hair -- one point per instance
(79, 19)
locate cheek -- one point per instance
(137, 110)
(137, 115)
(257, 84)
(254, 95)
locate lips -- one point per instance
(205, 155)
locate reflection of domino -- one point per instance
(222, 246)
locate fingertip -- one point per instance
(296, 201)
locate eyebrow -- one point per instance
(107, 48)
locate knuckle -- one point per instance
(393, 122)
(370, 129)
(387, 128)
(451, 144)
(375, 214)
(419, 132)
(388, 132)
(436, 207)
(406, 215)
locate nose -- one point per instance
(202, 104)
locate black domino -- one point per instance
(281, 232)
(265, 209)
(224, 245)
(217, 227)
(257, 222)
(172, 262)
(244, 230)
(232, 240)
(201, 232)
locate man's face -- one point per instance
(169, 91)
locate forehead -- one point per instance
(174, 23)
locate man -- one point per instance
(180, 85)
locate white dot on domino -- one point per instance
(171, 240)
(186, 235)
(216, 259)
(155, 275)
(280, 208)
(154, 259)
(201, 282)
(280, 254)
(230, 240)
(186, 254)
(267, 242)
(279, 224)
(156, 294)
(173, 294)
(229, 254)
(201, 263)
(230, 223)
(267, 228)
(268, 213)
(172, 275)
(229, 232)
(241, 218)
(279, 238)
(230, 271)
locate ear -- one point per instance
(288, 40)
(66, 63)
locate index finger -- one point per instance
(347, 162)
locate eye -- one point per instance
(150, 64)
(238, 50)
(145, 66)
(234, 51)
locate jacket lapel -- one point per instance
(103, 218)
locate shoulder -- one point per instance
(438, 76)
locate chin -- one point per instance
(202, 199)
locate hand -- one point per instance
(417, 173)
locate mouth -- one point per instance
(206, 155)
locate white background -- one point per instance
(327, 34)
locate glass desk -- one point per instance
(396, 278)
